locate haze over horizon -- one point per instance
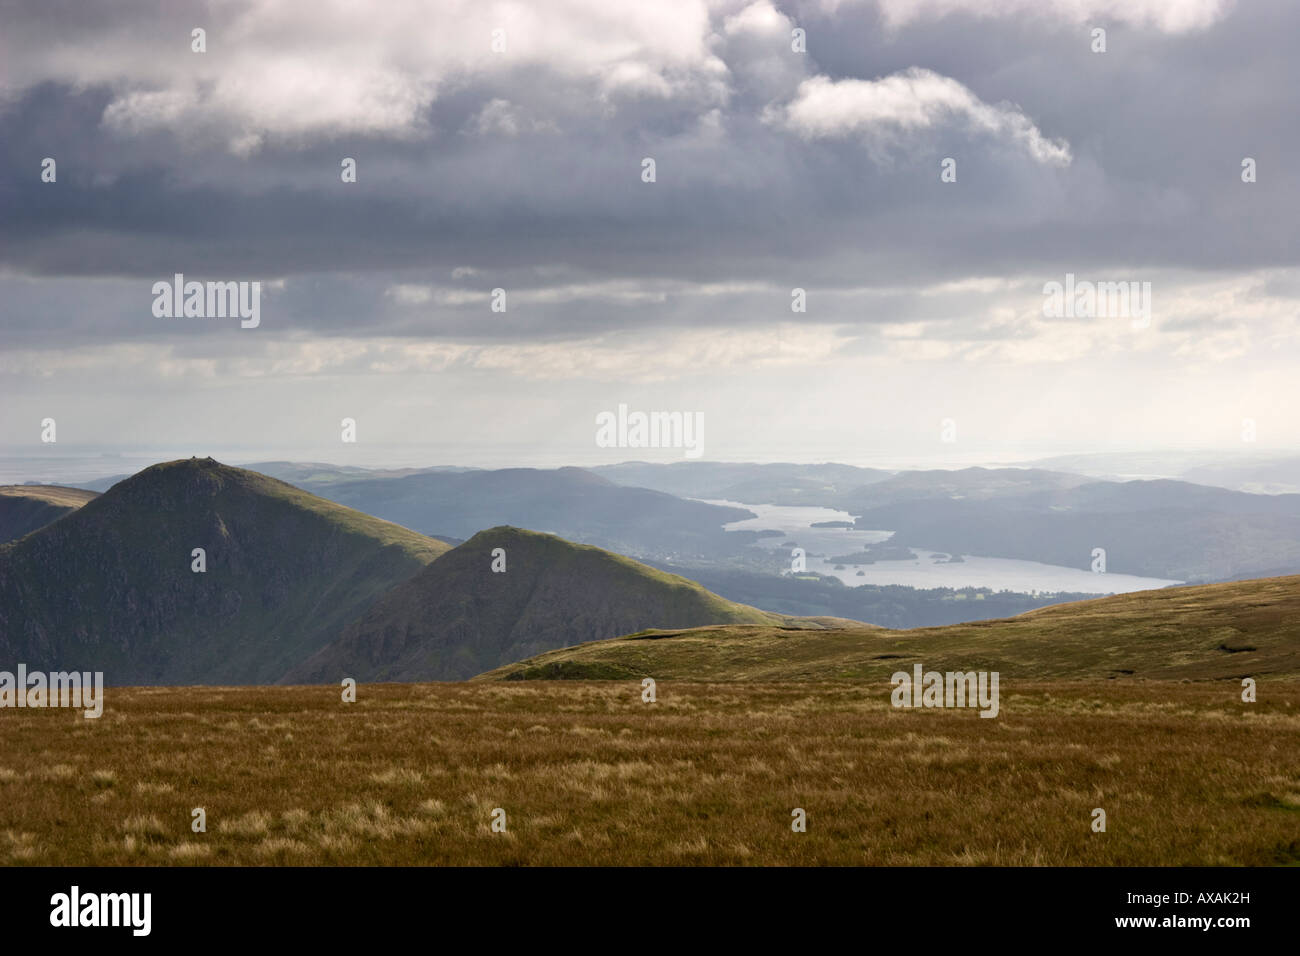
(67, 465)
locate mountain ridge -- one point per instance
(28, 508)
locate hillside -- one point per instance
(458, 617)
(1163, 529)
(1270, 476)
(110, 587)
(976, 484)
(570, 502)
(1213, 631)
(25, 508)
(775, 483)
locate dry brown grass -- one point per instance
(588, 774)
(53, 494)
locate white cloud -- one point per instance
(760, 18)
(912, 100)
(292, 71)
(498, 116)
(409, 294)
(756, 44)
(1169, 16)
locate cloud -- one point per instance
(756, 45)
(1170, 16)
(284, 73)
(409, 294)
(522, 170)
(907, 102)
(498, 116)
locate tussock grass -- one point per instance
(588, 774)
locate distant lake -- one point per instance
(999, 574)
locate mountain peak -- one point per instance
(196, 570)
(472, 610)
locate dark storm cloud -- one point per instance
(545, 191)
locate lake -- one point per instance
(998, 574)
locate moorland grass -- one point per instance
(708, 774)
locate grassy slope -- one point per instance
(26, 508)
(1245, 628)
(110, 587)
(458, 617)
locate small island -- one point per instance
(884, 551)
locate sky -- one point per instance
(503, 146)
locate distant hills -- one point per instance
(571, 502)
(1271, 473)
(781, 484)
(458, 617)
(1155, 528)
(110, 586)
(889, 605)
(1269, 476)
(1207, 632)
(983, 484)
(24, 508)
(1160, 528)
(301, 588)
(1165, 529)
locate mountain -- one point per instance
(570, 502)
(305, 473)
(312, 472)
(1121, 466)
(1165, 529)
(1156, 494)
(963, 483)
(1266, 476)
(1272, 472)
(25, 508)
(110, 586)
(458, 617)
(1207, 632)
(777, 483)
